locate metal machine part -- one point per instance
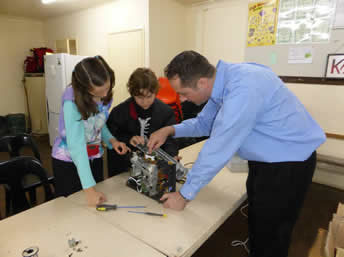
(181, 171)
(154, 174)
(31, 252)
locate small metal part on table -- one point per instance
(73, 242)
(31, 252)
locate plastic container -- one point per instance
(16, 123)
(236, 164)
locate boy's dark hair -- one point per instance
(190, 66)
(142, 79)
(91, 71)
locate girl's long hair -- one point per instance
(91, 72)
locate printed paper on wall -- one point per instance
(262, 21)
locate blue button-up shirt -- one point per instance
(253, 113)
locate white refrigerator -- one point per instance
(58, 74)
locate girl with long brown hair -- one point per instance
(77, 151)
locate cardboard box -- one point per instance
(340, 252)
(334, 246)
(317, 249)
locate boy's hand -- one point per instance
(136, 140)
(120, 147)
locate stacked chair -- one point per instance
(21, 174)
(167, 95)
(182, 110)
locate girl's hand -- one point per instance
(94, 197)
(135, 140)
(120, 147)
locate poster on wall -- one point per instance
(339, 18)
(300, 54)
(262, 19)
(305, 21)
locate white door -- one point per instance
(224, 32)
(126, 53)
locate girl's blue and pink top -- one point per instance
(75, 134)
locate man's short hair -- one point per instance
(142, 79)
(190, 66)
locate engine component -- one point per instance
(154, 174)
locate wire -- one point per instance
(182, 181)
(236, 243)
(188, 163)
(242, 210)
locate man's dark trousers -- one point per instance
(276, 192)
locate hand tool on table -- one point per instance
(109, 207)
(149, 213)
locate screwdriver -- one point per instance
(149, 213)
(108, 207)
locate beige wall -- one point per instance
(326, 104)
(167, 32)
(17, 37)
(169, 28)
(218, 30)
(92, 26)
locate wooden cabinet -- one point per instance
(68, 46)
(35, 89)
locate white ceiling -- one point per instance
(189, 2)
(36, 10)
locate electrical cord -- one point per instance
(188, 163)
(244, 244)
(182, 181)
(236, 243)
(242, 210)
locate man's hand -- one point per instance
(174, 201)
(120, 147)
(159, 137)
(136, 140)
(177, 158)
(94, 197)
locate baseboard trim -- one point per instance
(332, 179)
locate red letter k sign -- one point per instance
(337, 66)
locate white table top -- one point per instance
(50, 225)
(180, 233)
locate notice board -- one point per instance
(276, 56)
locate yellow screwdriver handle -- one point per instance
(101, 209)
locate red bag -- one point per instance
(38, 54)
(30, 65)
(92, 150)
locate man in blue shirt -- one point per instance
(249, 111)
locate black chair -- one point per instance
(13, 145)
(190, 110)
(12, 173)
